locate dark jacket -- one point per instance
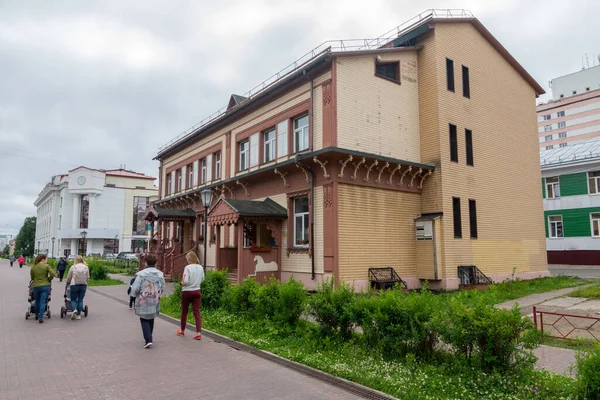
(130, 284)
(62, 265)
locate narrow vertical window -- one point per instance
(190, 172)
(203, 171)
(244, 150)
(254, 139)
(217, 158)
(457, 217)
(269, 144)
(282, 138)
(466, 83)
(450, 74)
(469, 146)
(473, 218)
(301, 133)
(453, 143)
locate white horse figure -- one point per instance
(261, 266)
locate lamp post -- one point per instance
(115, 249)
(206, 195)
(53, 239)
(38, 249)
(83, 236)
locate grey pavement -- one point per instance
(582, 271)
(102, 356)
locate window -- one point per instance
(282, 138)
(555, 225)
(111, 185)
(388, 70)
(469, 146)
(562, 135)
(466, 84)
(203, 171)
(301, 221)
(269, 141)
(562, 124)
(244, 150)
(457, 217)
(547, 117)
(254, 149)
(169, 183)
(594, 182)
(552, 188)
(548, 138)
(301, 133)
(473, 218)
(450, 74)
(547, 128)
(84, 212)
(453, 143)
(139, 208)
(595, 221)
(217, 157)
(560, 114)
(178, 181)
(190, 174)
(549, 147)
(562, 145)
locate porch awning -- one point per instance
(156, 213)
(228, 211)
(429, 217)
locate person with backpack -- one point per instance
(78, 278)
(193, 275)
(21, 261)
(131, 298)
(147, 288)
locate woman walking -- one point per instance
(149, 284)
(78, 278)
(61, 267)
(193, 275)
(41, 274)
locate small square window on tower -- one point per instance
(388, 70)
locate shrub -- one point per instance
(333, 308)
(267, 298)
(241, 298)
(213, 287)
(172, 304)
(98, 272)
(291, 303)
(588, 375)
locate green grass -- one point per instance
(591, 292)
(105, 282)
(577, 344)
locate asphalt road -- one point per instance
(575, 271)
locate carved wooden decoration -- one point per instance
(326, 92)
(414, 176)
(383, 168)
(375, 163)
(275, 228)
(305, 173)
(224, 188)
(341, 174)
(282, 175)
(356, 167)
(404, 174)
(243, 186)
(423, 178)
(328, 195)
(322, 164)
(398, 168)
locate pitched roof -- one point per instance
(126, 173)
(174, 213)
(253, 208)
(572, 154)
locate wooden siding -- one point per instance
(425, 259)
(376, 229)
(572, 184)
(576, 221)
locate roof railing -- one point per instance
(325, 47)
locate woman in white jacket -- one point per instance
(193, 275)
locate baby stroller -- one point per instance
(68, 308)
(31, 300)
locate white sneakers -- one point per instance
(148, 345)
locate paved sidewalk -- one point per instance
(102, 356)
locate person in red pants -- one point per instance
(193, 275)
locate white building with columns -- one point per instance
(93, 211)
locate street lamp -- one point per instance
(83, 236)
(207, 196)
(53, 239)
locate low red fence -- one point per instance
(567, 326)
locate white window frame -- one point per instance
(548, 138)
(209, 177)
(203, 171)
(282, 138)
(190, 174)
(269, 145)
(301, 136)
(562, 135)
(424, 230)
(551, 223)
(303, 215)
(553, 186)
(254, 145)
(560, 114)
(596, 183)
(547, 128)
(179, 179)
(217, 165)
(547, 117)
(549, 147)
(244, 154)
(562, 124)
(597, 220)
(562, 145)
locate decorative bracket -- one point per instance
(385, 166)
(305, 173)
(369, 170)
(398, 168)
(423, 178)
(282, 175)
(414, 176)
(244, 186)
(404, 174)
(341, 174)
(322, 164)
(224, 187)
(356, 167)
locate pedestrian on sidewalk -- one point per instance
(11, 259)
(131, 298)
(61, 267)
(147, 288)
(21, 261)
(41, 274)
(78, 278)
(193, 275)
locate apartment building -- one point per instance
(93, 211)
(571, 189)
(412, 151)
(573, 114)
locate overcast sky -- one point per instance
(105, 83)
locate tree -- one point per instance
(26, 237)
(6, 251)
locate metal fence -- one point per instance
(567, 326)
